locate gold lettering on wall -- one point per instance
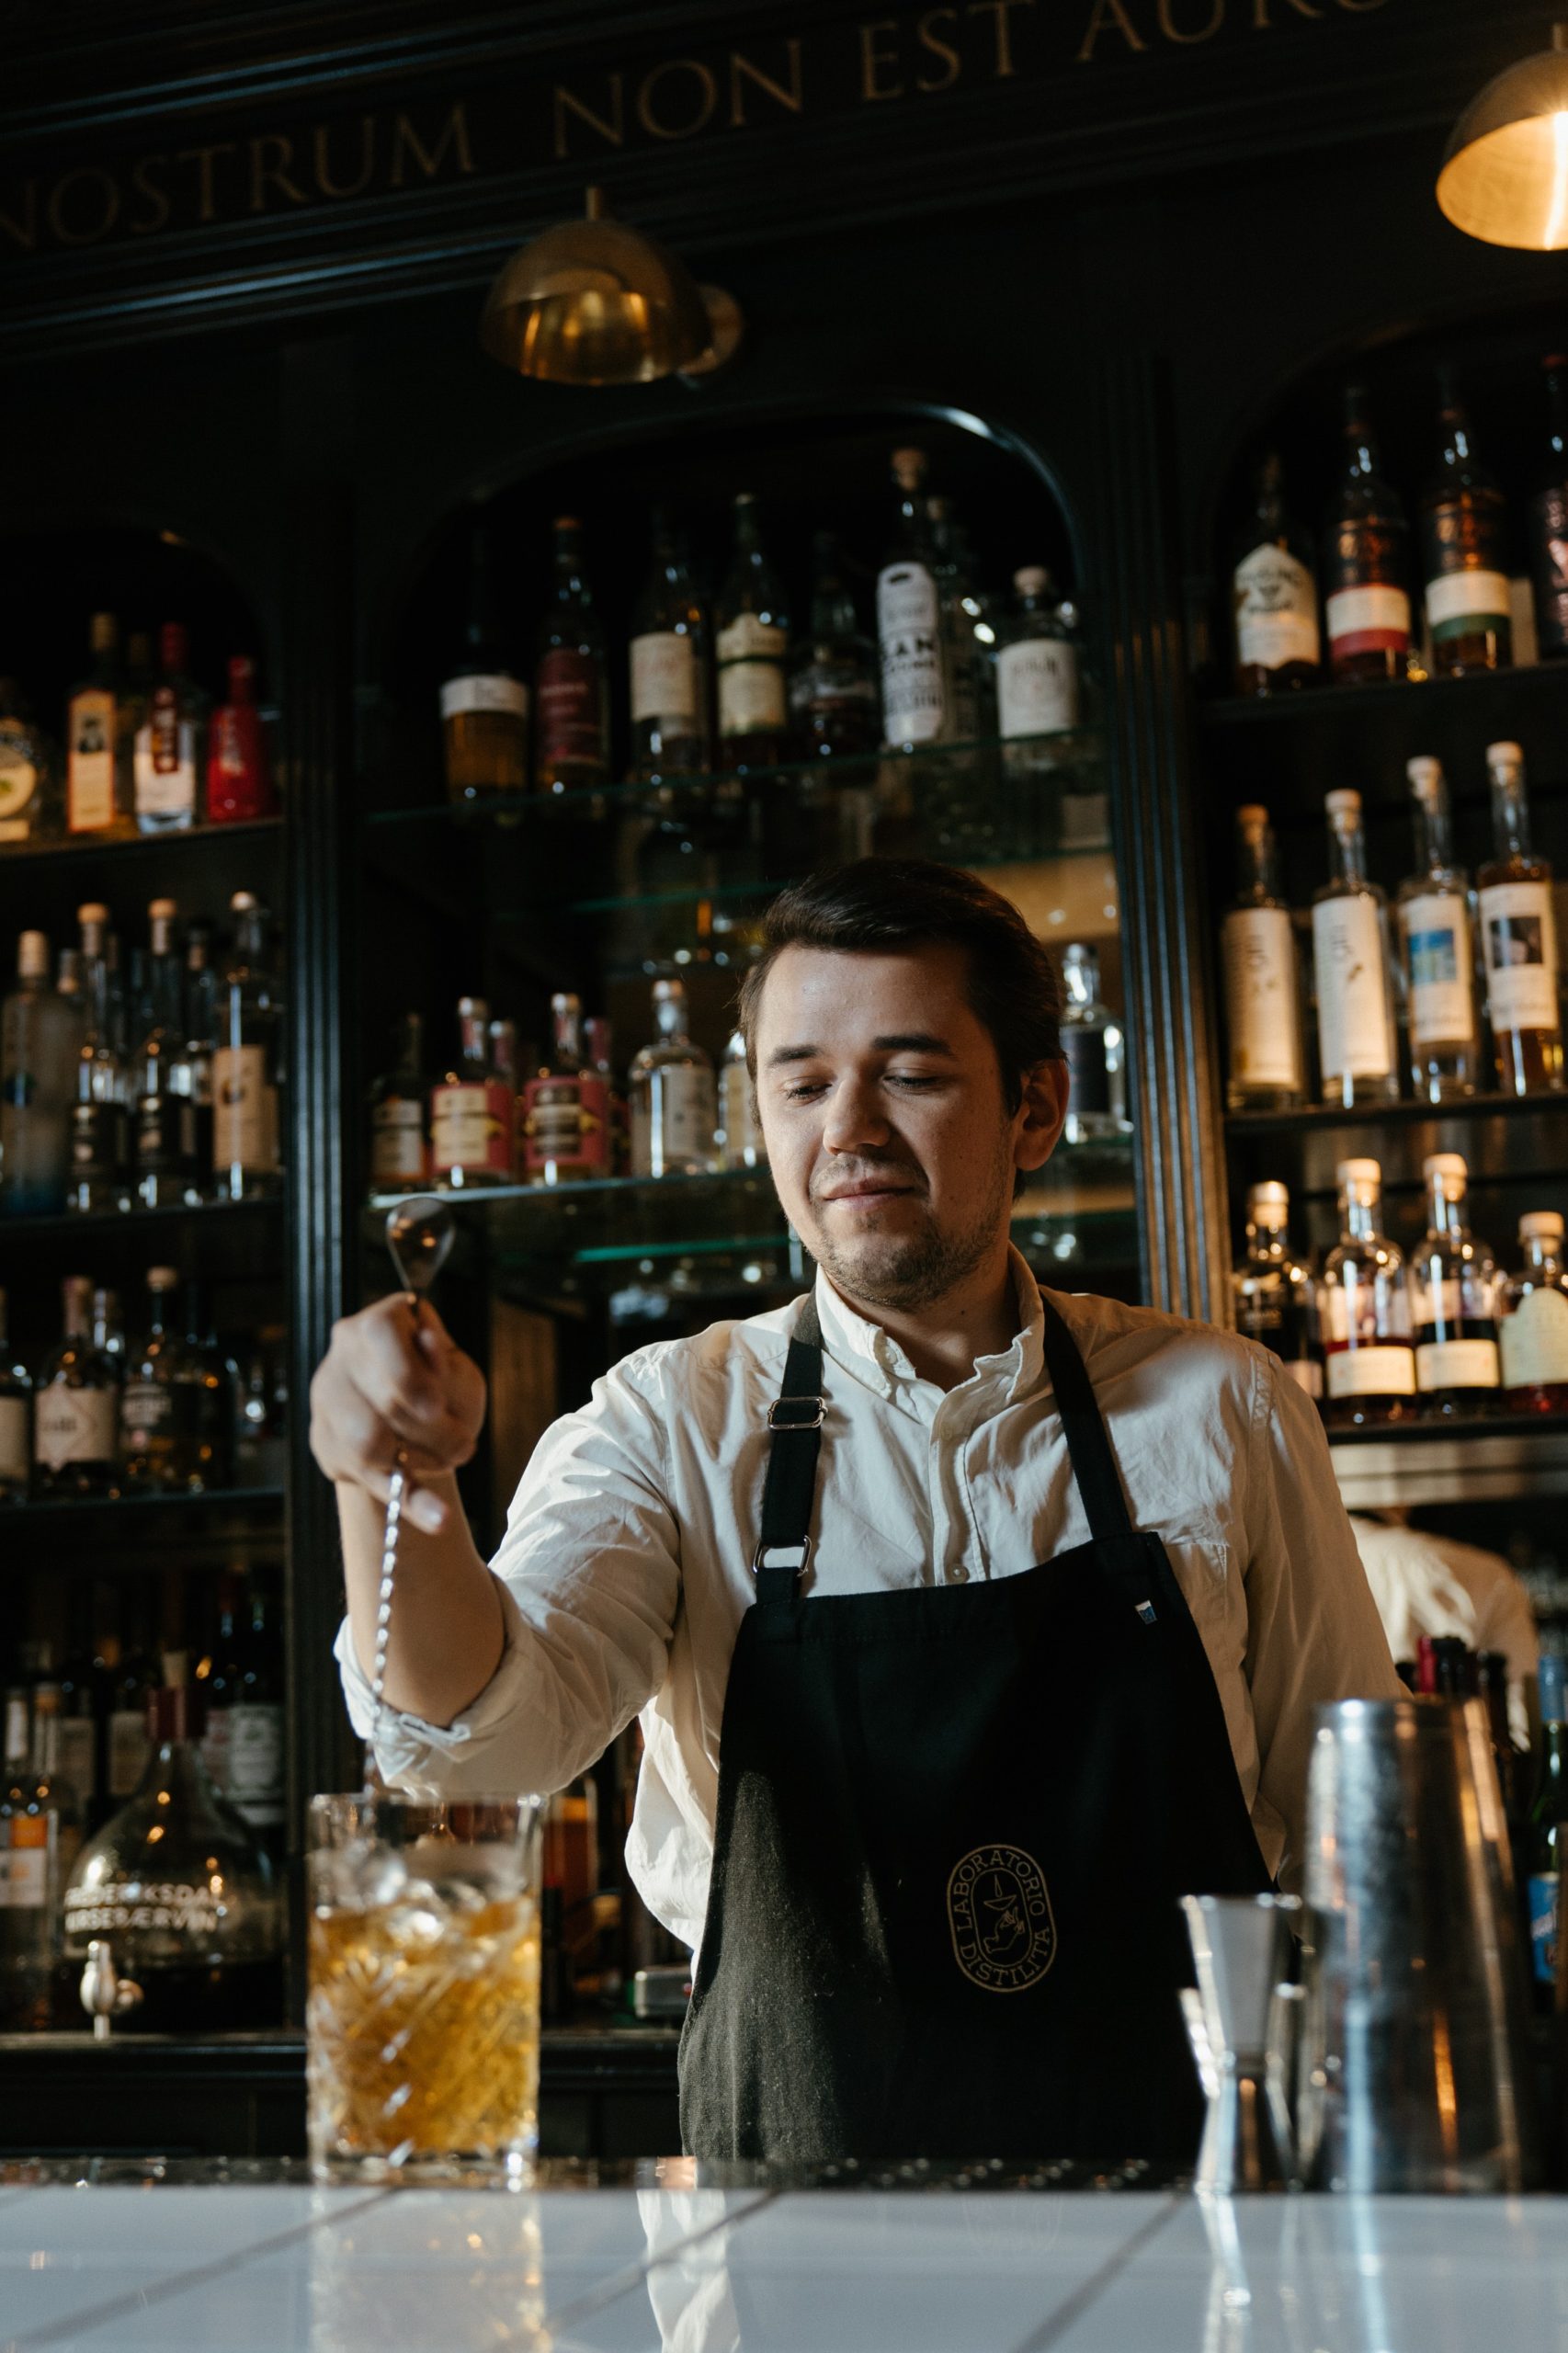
(326, 184)
(270, 157)
(1108, 16)
(77, 224)
(876, 62)
(1184, 35)
(610, 128)
(741, 71)
(203, 157)
(952, 63)
(141, 225)
(1000, 13)
(406, 141)
(703, 89)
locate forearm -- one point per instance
(446, 1637)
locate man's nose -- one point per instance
(855, 1120)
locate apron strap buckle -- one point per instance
(797, 1568)
(811, 1415)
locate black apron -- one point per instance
(952, 1826)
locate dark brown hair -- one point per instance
(883, 904)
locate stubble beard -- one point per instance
(910, 1272)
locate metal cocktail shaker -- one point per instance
(1414, 2070)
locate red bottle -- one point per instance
(239, 778)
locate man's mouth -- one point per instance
(874, 1188)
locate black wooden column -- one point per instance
(1173, 1101)
(317, 701)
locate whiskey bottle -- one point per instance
(255, 1756)
(399, 1152)
(600, 1036)
(1257, 948)
(40, 1030)
(97, 736)
(169, 749)
(159, 1403)
(670, 668)
(201, 1007)
(29, 1877)
(834, 700)
(916, 707)
(1462, 526)
(77, 1407)
(571, 686)
(31, 802)
(1092, 1048)
(246, 1158)
(751, 626)
(162, 1107)
(1357, 1041)
(1453, 1283)
(16, 1420)
(1273, 1290)
(1533, 1330)
(1438, 948)
(1546, 520)
(965, 658)
(1364, 1313)
(484, 704)
(1518, 939)
(740, 1139)
(1037, 668)
(1274, 595)
(1364, 563)
(473, 1113)
(674, 1112)
(99, 1133)
(566, 1114)
(209, 1379)
(239, 772)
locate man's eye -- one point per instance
(803, 1089)
(912, 1078)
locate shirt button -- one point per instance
(958, 1574)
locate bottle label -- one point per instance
(568, 705)
(74, 1425)
(1277, 611)
(673, 1119)
(915, 701)
(1518, 939)
(743, 1147)
(245, 1110)
(1307, 1373)
(146, 1409)
(1259, 953)
(1458, 602)
(1380, 1371)
(255, 1763)
(14, 1464)
(1369, 619)
(397, 1144)
(664, 678)
(1354, 1036)
(1438, 947)
(751, 677)
(497, 692)
(163, 763)
(25, 1855)
(1549, 546)
(1543, 1927)
(470, 1128)
(1534, 1340)
(1457, 1364)
(19, 782)
(165, 1134)
(95, 1142)
(90, 770)
(566, 1125)
(1036, 686)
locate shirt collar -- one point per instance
(875, 1358)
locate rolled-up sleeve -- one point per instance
(1314, 1633)
(590, 1573)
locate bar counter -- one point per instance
(122, 2258)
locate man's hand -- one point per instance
(387, 1387)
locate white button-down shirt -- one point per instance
(626, 1564)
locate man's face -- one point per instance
(888, 1133)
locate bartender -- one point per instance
(970, 1624)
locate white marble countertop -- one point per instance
(280, 2266)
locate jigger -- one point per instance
(1240, 1948)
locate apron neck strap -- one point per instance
(795, 1420)
(1088, 1446)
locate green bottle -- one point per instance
(1550, 1809)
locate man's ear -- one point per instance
(1041, 1113)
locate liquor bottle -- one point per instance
(1533, 1331)
(16, 1420)
(1273, 1290)
(484, 704)
(740, 1139)
(1462, 543)
(1453, 1280)
(1546, 520)
(128, 1681)
(1364, 563)
(670, 668)
(915, 686)
(571, 685)
(78, 1724)
(566, 1113)
(163, 1110)
(99, 1136)
(600, 1037)
(835, 699)
(964, 657)
(255, 1759)
(169, 746)
(216, 1678)
(1037, 664)
(31, 805)
(1274, 595)
(208, 1378)
(400, 1151)
(52, 1789)
(675, 1111)
(239, 771)
(1092, 1046)
(200, 1001)
(160, 1405)
(29, 1878)
(1257, 948)
(473, 1113)
(247, 1161)
(98, 736)
(1358, 1047)
(1438, 948)
(40, 1030)
(77, 1407)
(750, 635)
(1364, 1313)
(1550, 1809)
(1518, 939)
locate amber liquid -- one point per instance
(1529, 1061)
(487, 753)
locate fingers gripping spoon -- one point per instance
(420, 1233)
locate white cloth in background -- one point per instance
(1426, 1584)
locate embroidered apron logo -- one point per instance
(999, 1912)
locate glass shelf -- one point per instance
(102, 1533)
(93, 846)
(1404, 1114)
(1431, 696)
(1455, 1462)
(91, 1222)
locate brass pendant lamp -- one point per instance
(594, 301)
(1504, 177)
